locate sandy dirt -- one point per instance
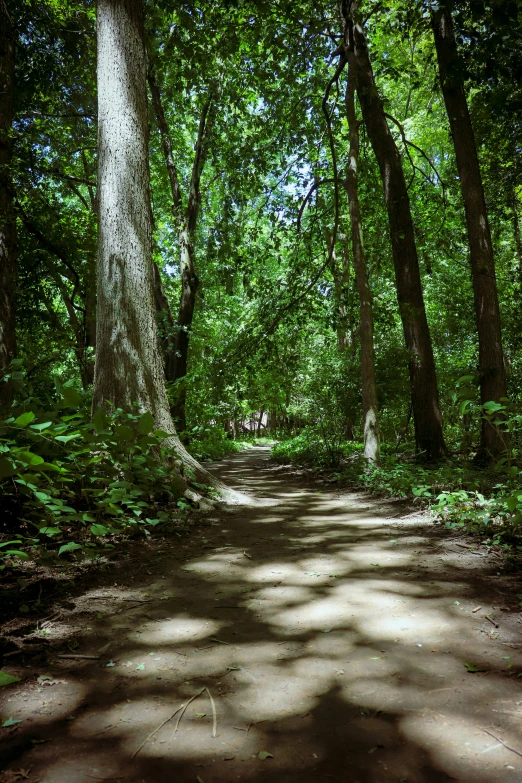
(329, 634)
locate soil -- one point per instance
(331, 632)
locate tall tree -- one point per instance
(487, 313)
(369, 387)
(7, 215)
(425, 399)
(128, 367)
(186, 218)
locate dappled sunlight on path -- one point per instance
(329, 635)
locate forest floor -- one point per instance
(331, 632)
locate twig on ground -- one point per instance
(183, 708)
(491, 621)
(506, 712)
(249, 556)
(83, 657)
(156, 731)
(107, 728)
(214, 714)
(514, 750)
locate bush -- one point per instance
(69, 483)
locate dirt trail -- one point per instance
(329, 635)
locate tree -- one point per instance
(425, 400)
(128, 367)
(7, 214)
(186, 218)
(491, 360)
(368, 386)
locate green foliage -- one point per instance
(311, 447)
(68, 483)
(212, 443)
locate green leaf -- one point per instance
(140, 667)
(6, 468)
(100, 420)
(24, 419)
(7, 679)
(17, 553)
(71, 397)
(123, 432)
(146, 423)
(99, 530)
(9, 722)
(264, 754)
(70, 547)
(42, 426)
(31, 459)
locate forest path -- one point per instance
(330, 634)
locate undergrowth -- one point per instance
(70, 485)
(486, 502)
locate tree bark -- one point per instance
(423, 379)
(176, 357)
(491, 361)
(369, 386)
(128, 368)
(8, 243)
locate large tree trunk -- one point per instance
(426, 409)
(129, 368)
(491, 360)
(369, 387)
(8, 261)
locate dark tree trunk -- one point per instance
(177, 349)
(369, 387)
(426, 409)
(491, 360)
(518, 238)
(8, 260)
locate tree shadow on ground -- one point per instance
(329, 636)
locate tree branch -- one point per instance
(166, 143)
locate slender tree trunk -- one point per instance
(369, 387)
(8, 259)
(128, 362)
(176, 358)
(518, 238)
(426, 409)
(341, 277)
(491, 360)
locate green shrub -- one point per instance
(69, 483)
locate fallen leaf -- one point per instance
(140, 667)
(264, 754)
(9, 722)
(472, 668)
(7, 679)
(201, 714)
